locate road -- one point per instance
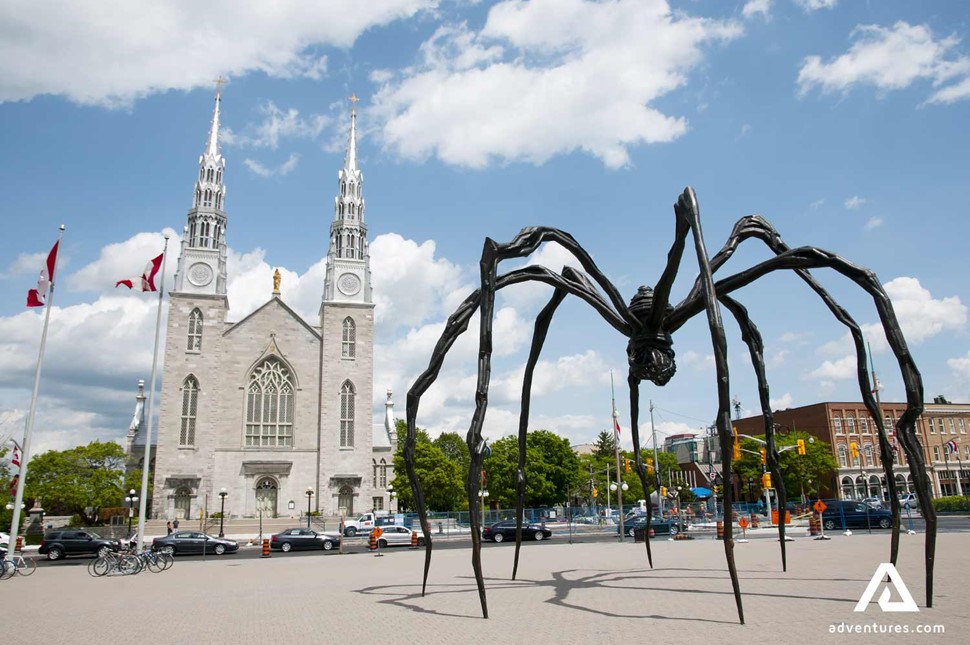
(588, 535)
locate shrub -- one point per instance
(951, 503)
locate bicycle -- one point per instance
(17, 565)
(114, 563)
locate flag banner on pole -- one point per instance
(16, 456)
(147, 280)
(38, 297)
(616, 423)
(951, 446)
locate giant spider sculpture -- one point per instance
(649, 321)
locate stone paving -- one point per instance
(565, 593)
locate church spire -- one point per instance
(202, 260)
(348, 258)
(350, 160)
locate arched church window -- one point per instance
(190, 405)
(219, 176)
(195, 331)
(382, 472)
(198, 196)
(347, 401)
(269, 406)
(348, 346)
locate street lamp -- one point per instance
(865, 500)
(130, 502)
(391, 494)
(309, 496)
(750, 487)
(222, 511)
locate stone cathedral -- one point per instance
(271, 409)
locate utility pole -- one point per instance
(656, 463)
(616, 445)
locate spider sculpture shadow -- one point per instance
(649, 321)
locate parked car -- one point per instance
(850, 514)
(659, 526)
(188, 542)
(301, 538)
(4, 541)
(908, 498)
(397, 536)
(64, 542)
(874, 502)
(505, 530)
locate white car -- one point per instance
(397, 536)
(908, 498)
(4, 541)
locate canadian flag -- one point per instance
(38, 297)
(147, 280)
(616, 423)
(15, 457)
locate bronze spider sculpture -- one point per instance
(649, 321)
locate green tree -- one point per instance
(596, 467)
(605, 444)
(454, 448)
(809, 472)
(441, 478)
(79, 481)
(551, 469)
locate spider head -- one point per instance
(650, 350)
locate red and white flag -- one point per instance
(38, 297)
(15, 457)
(147, 280)
(616, 423)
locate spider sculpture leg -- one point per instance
(809, 258)
(752, 337)
(687, 210)
(538, 339)
(456, 325)
(634, 384)
(757, 227)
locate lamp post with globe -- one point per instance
(309, 496)
(130, 500)
(222, 511)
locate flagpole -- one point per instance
(147, 462)
(616, 444)
(29, 426)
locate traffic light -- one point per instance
(663, 491)
(737, 445)
(717, 489)
(764, 457)
(801, 446)
(649, 465)
(854, 449)
(595, 492)
(626, 463)
(766, 481)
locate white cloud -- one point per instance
(756, 8)
(745, 129)
(844, 368)
(276, 124)
(113, 52)
(124, 260)
(283, 169)
(854, 202)
(782, 403)
(815, 5)
(873, 223)
(892, 58)
(530, 84)
(960, 366)
(816, 204)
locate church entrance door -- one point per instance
(183, 504)
(266, 496)
(345, 501)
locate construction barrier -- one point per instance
(372, 545)
(774, 517)
(754, 520)
(720, 530)
(814, 526)
(19, 546)
(683, 536)
(414, 539)
(265, 553)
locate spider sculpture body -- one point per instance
(649, 322)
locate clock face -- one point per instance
(200, 274)
(349, 284)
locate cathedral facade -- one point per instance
(270, 412)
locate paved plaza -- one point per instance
(566, 593)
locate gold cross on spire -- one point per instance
(353, 102)
(219, 83)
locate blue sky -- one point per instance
(843, 123)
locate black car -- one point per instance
(849, 514)
(303, 539)
(505, 530)
(659, 526)
(188, 542)
(61, 543)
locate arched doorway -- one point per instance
(183, 504)
(345, 501)
(847, 488)
(266, 496)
